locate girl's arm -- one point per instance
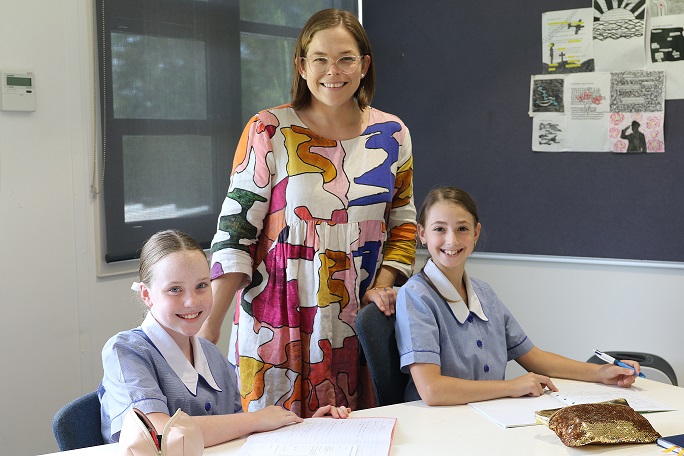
(218, 429)
(222, 428)
(554, 365)
(437, 389)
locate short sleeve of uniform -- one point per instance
(517, 342)
(129, 379)
(416, 325)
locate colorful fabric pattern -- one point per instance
(310, 221)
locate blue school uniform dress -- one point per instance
(146, 369)
(472, 343)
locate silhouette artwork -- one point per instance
(636, 140)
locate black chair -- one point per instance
(653, 366)
(77, 424)
(376, 335)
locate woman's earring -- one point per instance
(362, 75)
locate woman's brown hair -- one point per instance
(451, 195)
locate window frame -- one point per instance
(161, 18)
(222, 30)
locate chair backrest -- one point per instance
(77, 424)
(653, 366)
(376, 335)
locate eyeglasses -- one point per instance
(346, 64)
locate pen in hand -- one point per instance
(609, 359)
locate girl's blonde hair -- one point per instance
(160, 245)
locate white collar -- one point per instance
(453, 299)
(173, 355)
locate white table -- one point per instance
(460, 430)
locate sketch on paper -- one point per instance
(604, 112)
(567, 41)
(618, 19)
(547, 95)
(637, 103)
(667, 44)
(550, 133)
(659, 8)
(587, 102)
(636, 132)
(637, 91)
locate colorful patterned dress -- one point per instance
(310, 221)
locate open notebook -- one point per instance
(325, 437)
(519, 411)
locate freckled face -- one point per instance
(333, 88)
(179, 295)
(450, 233)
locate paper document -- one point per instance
(567, 41)
(519, 411)
(325, 436)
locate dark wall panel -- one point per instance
(458, 74)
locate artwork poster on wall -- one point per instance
(620, 112)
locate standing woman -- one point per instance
(319, 220)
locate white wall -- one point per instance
(576, 308)
(57, 313)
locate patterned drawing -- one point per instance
(637, 91)
(332, 212)
(547, 95)
(617, 19)
(636, 132)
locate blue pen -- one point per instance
(611, 360)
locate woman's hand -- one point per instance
(335, 412)
(610, 374)
(383, 297)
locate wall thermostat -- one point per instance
(17, 91)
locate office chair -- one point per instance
(654, 367)
(376, 335)
(77, 424)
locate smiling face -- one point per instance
(179, 293)
(332, 88)
(450, 233)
